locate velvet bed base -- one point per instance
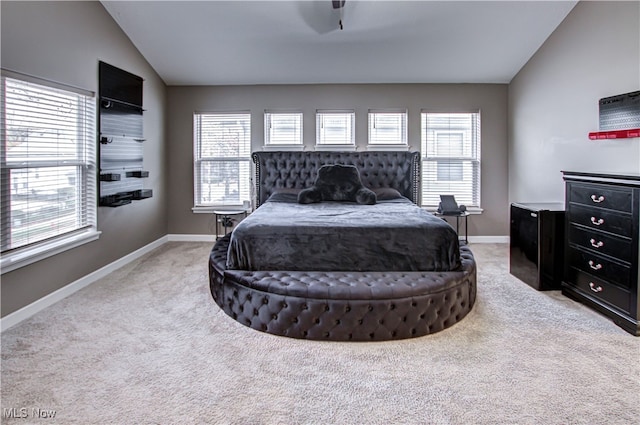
(343, 306)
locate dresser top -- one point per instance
(540, 206)
(632, 179)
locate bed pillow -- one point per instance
(387, 194)
(337, 183)
(284, 195)
(286, 190)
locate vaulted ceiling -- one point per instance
(291, 42)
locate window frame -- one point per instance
(467, 190)
(241, 159)
(85, 179)
(322, 114)
(403, 141)
(298, 128)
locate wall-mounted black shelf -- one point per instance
(110, 177)
(109, 102)
(124, 198)
(116, 200)
(141, 194)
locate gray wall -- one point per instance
(490, 99)
(63, 41)
(553, 101)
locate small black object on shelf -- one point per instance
(137, 174)
(141, 194)
(110, 177)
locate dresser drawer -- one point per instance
(600, 289)
(600, 267)
(600, 243)
(600, 219)
(602, 196)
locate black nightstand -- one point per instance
(537, 244)
(224, 218)
(458, 216)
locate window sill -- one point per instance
(398, 147)
(24, 257)
(335, 147)
(211, 210)
(283, 148)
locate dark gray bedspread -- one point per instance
(392, 235)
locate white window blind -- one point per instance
(222, 157)
(387, 128)
(48, 165)
(284, 129)
(335, 128)
(451, 158)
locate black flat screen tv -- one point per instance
(119, 85)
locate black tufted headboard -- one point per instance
(298, 170)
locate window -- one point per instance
(222, 157)
(387, 128)
(282, 129)
(449, 144)
(335, 129)
(48, 169)
(451, 158)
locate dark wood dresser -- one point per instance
(602, 244)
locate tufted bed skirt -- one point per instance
(343, 306)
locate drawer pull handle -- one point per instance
(597, 222)
(596, 266)
(594, 287)
(598, 199)
(595, 244)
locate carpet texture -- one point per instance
(147, 345)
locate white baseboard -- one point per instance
(488, 239)
(191, 238)
(27, 311)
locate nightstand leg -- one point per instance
(466, 228)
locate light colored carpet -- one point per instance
(147, 345)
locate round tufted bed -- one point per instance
(341, 305)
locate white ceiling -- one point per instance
(295, 42)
